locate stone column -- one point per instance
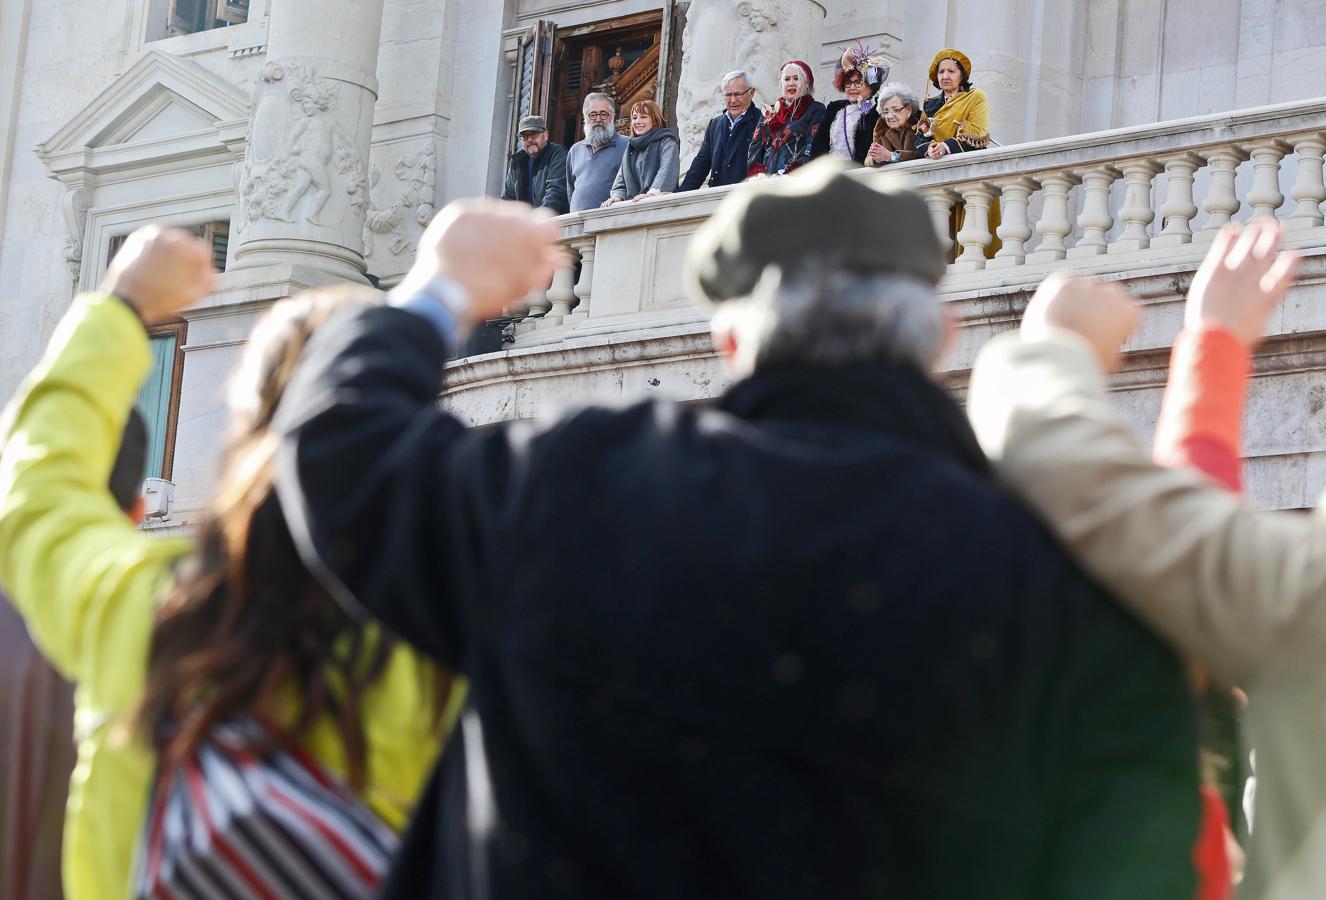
(303, 185)
(755, 35)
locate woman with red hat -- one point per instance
(782, 142)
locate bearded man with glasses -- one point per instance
(722, 156)
(592, 164)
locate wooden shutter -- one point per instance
(669, 58)
(533, 75)
(545, 34)
(217, 235)
(159, 397)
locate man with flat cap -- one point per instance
(793, 644)
(536, 173)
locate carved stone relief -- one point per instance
(401, 221)
(300, 153)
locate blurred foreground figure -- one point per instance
(1240, 590)
(37, 721)
(170, 640)
(794, 644)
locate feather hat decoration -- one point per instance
(872, 65)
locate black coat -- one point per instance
(722, 156)
(865, 129)
(547, 187)
(794, 644)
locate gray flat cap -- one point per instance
(816, 218)
(531, 123)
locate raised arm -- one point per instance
(391, 500)
(75, 566)
(1241, 590)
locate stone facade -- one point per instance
(328, 133)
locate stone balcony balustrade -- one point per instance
(1139, 205)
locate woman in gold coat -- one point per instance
(957, 121)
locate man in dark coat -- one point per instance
(797, 643)
(722, 156)
(536, 173)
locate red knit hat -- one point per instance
(810, 76)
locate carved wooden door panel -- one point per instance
(619, 57)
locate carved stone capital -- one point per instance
(74, 206)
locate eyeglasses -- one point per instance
(895, 110)
(733, 95)
(597, 116)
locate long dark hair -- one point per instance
(245, 620)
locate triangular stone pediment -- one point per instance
(160, 98)
(158, 114)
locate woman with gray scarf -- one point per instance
(652, 162)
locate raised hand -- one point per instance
(497, 251)
(1242, 279)
(160, 271)
(1102, 312)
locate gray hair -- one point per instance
(896, 89)
(827, 317)
(595, 98)
(733, 76)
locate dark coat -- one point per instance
(548, 186)
(865, 127)
(722, 156)
(794, 644)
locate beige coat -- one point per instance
(1241, 590)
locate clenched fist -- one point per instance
(160, 271)
(1100, 311)
(497, 251)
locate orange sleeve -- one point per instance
(1201, 417)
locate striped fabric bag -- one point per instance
(228, 823)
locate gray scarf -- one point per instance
(639, 172)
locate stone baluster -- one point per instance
(1095, 218)
(940, 203)
(562, 293)
(975, 234)
(1014, 229)
(1265, 197)
(1136, 213)
(536, 307)
(585, 286)
(1308, 190)
(1176, 214)
(1053, 225)
(1221, 202)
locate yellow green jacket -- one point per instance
(86, 581)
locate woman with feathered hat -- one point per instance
(849, 123)
(783, 141)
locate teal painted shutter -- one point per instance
(154, 401)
